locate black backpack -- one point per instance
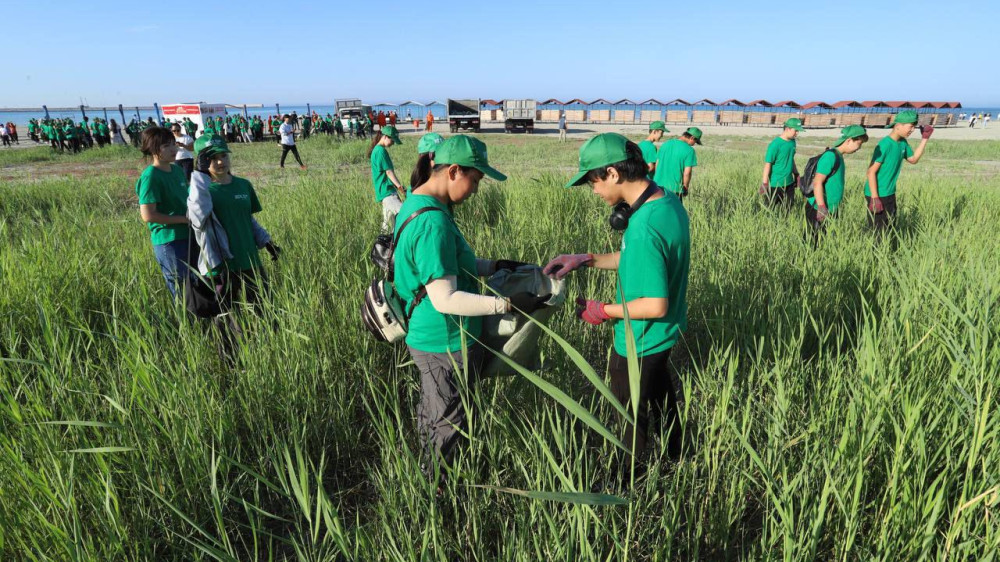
(809, 174)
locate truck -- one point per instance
(347, 108)
(198, 112)
(463, 114)
(519, 115)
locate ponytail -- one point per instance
(375, 141)
(422, 171)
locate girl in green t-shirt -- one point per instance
(387, 185)
(163, 189)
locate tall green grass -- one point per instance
(838, 404)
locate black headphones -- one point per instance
(623, 211)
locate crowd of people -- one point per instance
(65, 135)
(981, 119)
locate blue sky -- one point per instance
(106, 53)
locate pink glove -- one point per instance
(764, 187)
(591, 312)
(562, 265)
(822, 212)
(926, 131)
(875, 206)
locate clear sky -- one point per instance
(110, 52)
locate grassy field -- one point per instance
(840, 404)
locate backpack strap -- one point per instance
(836, 161)
(422, 292)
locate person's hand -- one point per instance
(560, 266)
(684, 191)
(822, 212)
(204, 161)
(764, 187)
(591, 312)
(875, 206)
(926, 131)
(527, 302)
(509, 265)
(273, 249)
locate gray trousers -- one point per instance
(441, 416)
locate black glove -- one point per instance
(509, 265)
(273, 249)
(204, 160)
(527, 302)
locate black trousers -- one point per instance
(657, 398)
(879, 222)
(776, 196)
(187, 164)
(285, 148)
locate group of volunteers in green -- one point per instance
(436, 274)
(63, 135)
(781, 176)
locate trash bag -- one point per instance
(514, 334)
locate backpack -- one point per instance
(383, 311)
(809, 174)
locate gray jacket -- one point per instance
(208, 231)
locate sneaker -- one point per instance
(302, 167)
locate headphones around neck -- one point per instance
(622, 212)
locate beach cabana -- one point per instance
(678, 111)
(703, 112)
(849, 112)
(599, 111)
(817, 114)
(879, 113)
(785, 110)
(576, 110)
(491, 110)
(438, 109)
(732, 112)
(624, 111)
(410, 110)
(549, 109)
(385, 107)
(651, 110)
(760, 113)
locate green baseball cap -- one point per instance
(211, 142)
(905, 118)
(603, 150)
(658, 126)
(849, 132)
(696, 133)
(429, 143)
(794, 123)
(392, 133)
(466, 151)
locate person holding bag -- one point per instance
(436, 274)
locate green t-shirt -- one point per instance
(168, 191)
(833, 189)
(103, 128)
(654, 263)
(381, 163)
(432, 248)
(781, 156)
(890, 154)
(234, 204)
(648, 153)
(674, 156)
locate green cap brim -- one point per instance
(491, 172)
(578, 179)
(798, 128)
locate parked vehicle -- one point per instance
(519, 115)
(348, 108)
(463, 114)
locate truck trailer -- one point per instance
(519, 115)
(463, 114)
(350, 107)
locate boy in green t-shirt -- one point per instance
(676, 161)
(828, 183)
(652, 266)
(656, 131)
(887, 161)
(781, 177)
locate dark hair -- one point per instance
(153, 138)
(375, 140)
(686, 135)
(862, 138)
(422, 171)
(633, 168)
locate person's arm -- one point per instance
(606, 261)
(873, 179)
(447, 299)
(918, 152)
(766, 177)
(686, 182)
(643, 308)
(149, 213)
(395, 181)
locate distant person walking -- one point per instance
(972, 121)
(676, 162)
(12, 129)
(116, 134)
(781, 177)
(5, 134)
(288, 142)
(163, 191)
(986, 120)
(185, 144)
(648, 146)
(886, 163)
(828, 183)
(430, 121)
(384, 180)
(562, 126)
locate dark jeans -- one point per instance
(657, 398)
(441, 416)
(884, 220)
(285, 148)
(776, 196)
(816, 228)
(248, 286)
(187, 164)
(174, 258)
